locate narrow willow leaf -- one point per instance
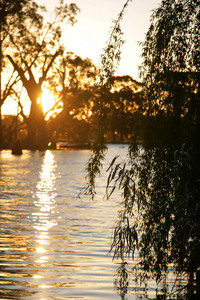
(112, 162)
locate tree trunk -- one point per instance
(37, 134)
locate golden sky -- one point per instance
(88, 36)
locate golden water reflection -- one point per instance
(54, 245)
(44, 215)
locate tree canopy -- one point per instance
(168, 178)
(32, 52)
(10, 11)
(75, 90)
(171, 69)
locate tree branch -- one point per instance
(19, 70)
(43, 77)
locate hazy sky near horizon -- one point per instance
(88, 36)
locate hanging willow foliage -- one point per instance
(110, 59)
(109, 62)
(167, 165)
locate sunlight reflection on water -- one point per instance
(45, 201)
(54, 245)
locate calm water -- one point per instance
(54, 245)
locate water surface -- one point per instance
(54, 245)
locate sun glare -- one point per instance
(47, 100)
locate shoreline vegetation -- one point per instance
(17, 149)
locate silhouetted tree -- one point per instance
(167, 167)
(123, 103)
(168, 178)
(9, 12)
(75, 89)
(32, 53)
(110, 59)
(171, 70)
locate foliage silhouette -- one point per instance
(32, 51)
(110, 59)
(161, 190)
(76, 77)
(9, 12)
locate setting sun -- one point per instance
(47, 101)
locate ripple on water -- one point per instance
(53, 244)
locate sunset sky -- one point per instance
(88, 36)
